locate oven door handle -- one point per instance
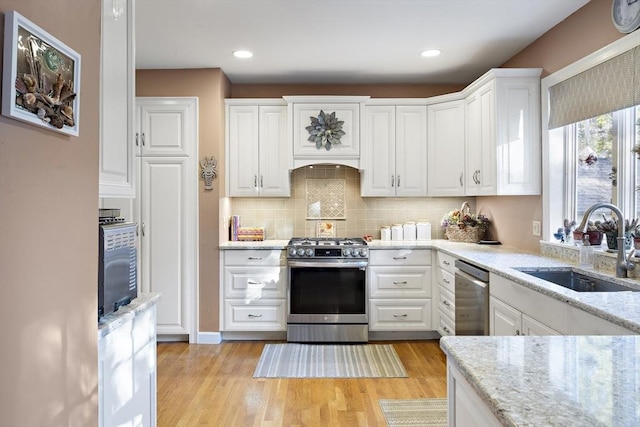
(328, 264)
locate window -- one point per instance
(601, 168)
(572, 180)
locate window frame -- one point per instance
(556, 172)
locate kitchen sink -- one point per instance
(578, 282)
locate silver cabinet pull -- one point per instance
(444, 328)
(142, 138)
(517, 332)
(399, 257)
(478, 176)
(400, 283)
(252, 282)
(445, 302)
(446, 281)
(255, 181)
(261, 181)
(461, 175)
(137, 137)
(143, 229)
(254, 315)
(399, 315)
(445, 262)
(393, 180)
(398, 181)
(255, 258)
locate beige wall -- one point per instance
(587, 30)
(374, 91)
(49, 243)
(211, 87)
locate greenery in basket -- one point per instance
(463, 219)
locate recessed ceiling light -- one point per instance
(430, 53)
(242, 54)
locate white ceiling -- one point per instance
(342, 41)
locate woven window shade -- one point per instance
(610, 86)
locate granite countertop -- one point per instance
(621, 308)
(555, 380)
(113, 321)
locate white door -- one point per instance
(166, 126)
(445, 140)
(504, 320)
(379, 152)
(273, 153)
(531, 326)
(411, 151)
(242, 135)
(166, 210)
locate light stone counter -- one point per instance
(113, 321)
(264, 244)
(556, 380)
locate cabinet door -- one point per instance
(242, 144)
(518, 135)
(486, 177)
(531, 326)
(117, 102)
(503, 319)
(167, 263)
(273, 152)
(445, 143)
(167, 125)
(411, 151)
(379, 152)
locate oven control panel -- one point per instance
(302, 252)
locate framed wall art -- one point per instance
(41, 78)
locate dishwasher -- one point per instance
(472, 299)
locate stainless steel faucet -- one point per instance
(622, 264)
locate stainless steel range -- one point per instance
(327, 290)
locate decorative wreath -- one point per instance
(325, 130)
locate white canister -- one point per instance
(409, 231)
(396, 232)
(385, 233)
(423, 230)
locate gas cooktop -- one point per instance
(320, 247)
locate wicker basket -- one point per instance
(467, 234)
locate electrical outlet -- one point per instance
(537, 228)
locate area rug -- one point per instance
(329, 361)
(414, 412)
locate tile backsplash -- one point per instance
(286, 217)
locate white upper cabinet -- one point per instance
(446, 148)
(394, 155)
(117, 88)
(307, 110)
(162, 128)
(257, 149)
(503, 133)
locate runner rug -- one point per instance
(414, 412)
(329, 361)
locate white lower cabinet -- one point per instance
(127, 373)
(254, 290)
(465, 408)
(400, 290)
(517, 310)
(445, 279)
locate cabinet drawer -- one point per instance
(445, 279)
(446, 326)
(263, 315)
(405, 282)
(254, 283)
(400, 257)
(446, 262)
(400, 315)
(249, 257)
(446, 302)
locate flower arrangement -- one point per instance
(325, 130)
(461, 219)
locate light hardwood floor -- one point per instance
(213, 385)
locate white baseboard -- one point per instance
(209, 338)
